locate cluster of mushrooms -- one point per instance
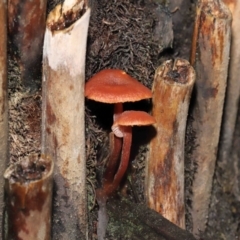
(114, 86)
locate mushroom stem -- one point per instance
(127, 141)
(109, 186)
(102, 213)
(115, 148)
(118, 109)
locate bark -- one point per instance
(210, 56)
(3, 106)
(128, 220)
(63, 130)
(233, 89)
(26, 24)
(172, 89)
(29, 199)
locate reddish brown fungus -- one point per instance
(115, 86)
(123, 127)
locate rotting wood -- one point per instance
(26, 24)
(29, 198)
(172, 88)
(3, 106)
(233, 89)
(210, 56)
(129, 220)
(63, 128)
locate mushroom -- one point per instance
(113, 86)
(116, 87)
(122, 128)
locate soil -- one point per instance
(124, 34)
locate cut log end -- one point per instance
(29, 198)
(178, 71)
(62, 17)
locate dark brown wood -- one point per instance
(29, 199)
(26, 24)
(128, 220)
(3, 106)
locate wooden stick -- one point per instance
(172, 89)
(129, 220)
(3, 106)
(29, 199)
(26, 21)
(210, 56)
(233, 86)
(63, 129)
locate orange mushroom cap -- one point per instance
(131, 118)
(115, 86)
(134, 118)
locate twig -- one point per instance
(3, 105)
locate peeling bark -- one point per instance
(29, 199)
(26, 24)
(63, 130)
(3, 106)
(172, 89)
(210, 56)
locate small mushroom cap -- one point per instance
(134, 118)
(115, 86)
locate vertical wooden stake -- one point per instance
(63, 128)
(172, 87)
(233, 86)
(210, 56)
(3, 106)
(26, 24)
(29, 198)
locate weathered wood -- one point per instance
(29, 199)
(63, 128)
(210, 56)
(172, 88)
(233, 86)
(128, 220)
(26, 24)
(3, 106)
